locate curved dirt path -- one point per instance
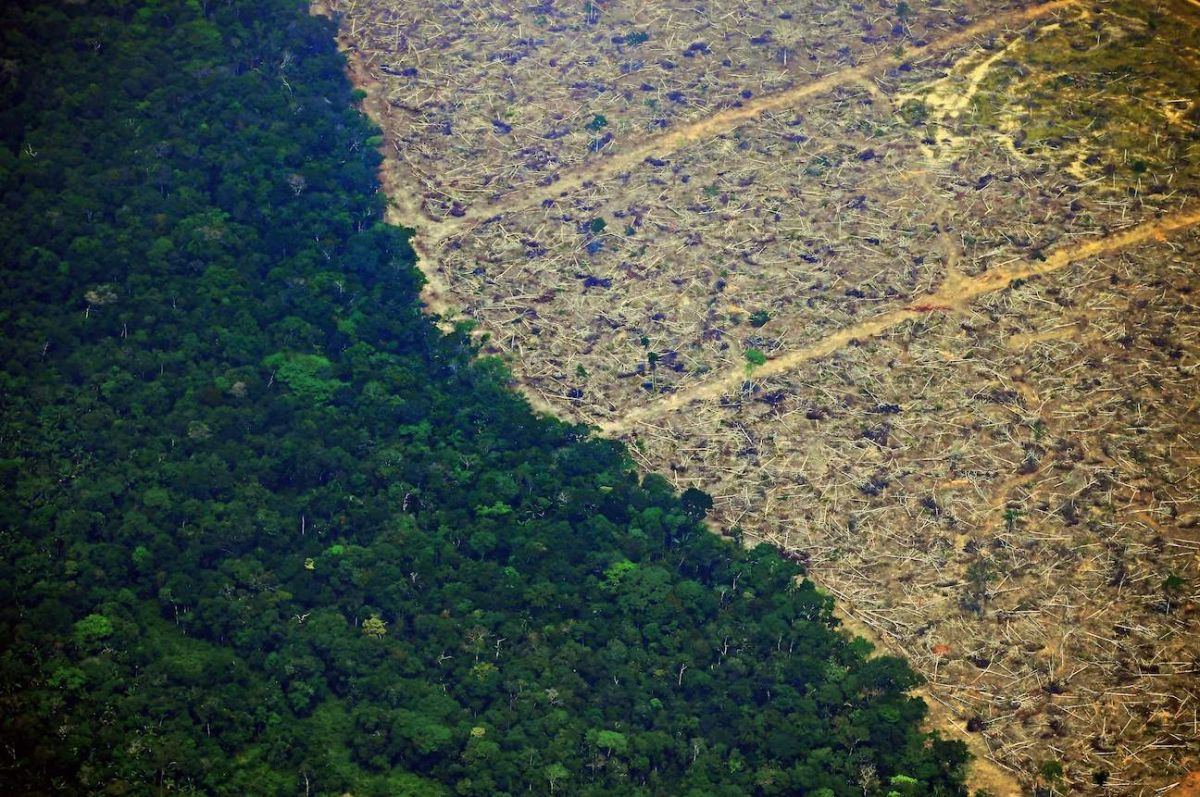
(955, 295)
(404, 208)
(730, 118)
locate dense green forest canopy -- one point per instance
(266, 530)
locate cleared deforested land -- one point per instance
(908, 288)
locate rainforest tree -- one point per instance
(266, 530)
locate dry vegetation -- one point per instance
(490, 97)
(1004, 494)
(962, 238)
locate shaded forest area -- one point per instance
(266, 530)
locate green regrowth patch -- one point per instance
(1103, 87)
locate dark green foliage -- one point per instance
(1051, 772)
(267, 531)
(696, 503)
(914, 112)
(1173, 584)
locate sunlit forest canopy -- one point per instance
(267, 530)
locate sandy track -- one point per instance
(954, 296)
(729, 119)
